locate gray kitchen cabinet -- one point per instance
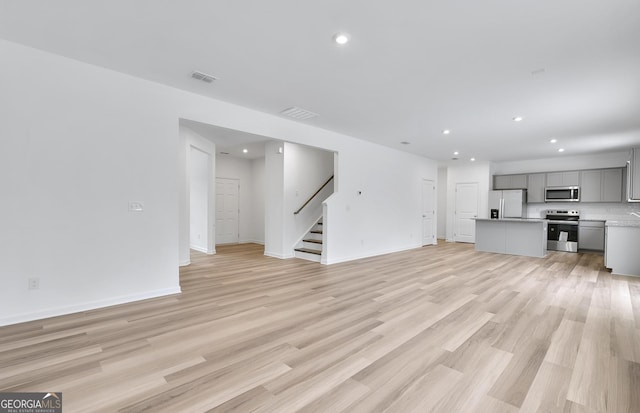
(591, 188)
(633, 176)
(591, 235)
(567, 178)
(510, 181)
(612, 185)
(535, 187)
(601, 185)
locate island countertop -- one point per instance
(525, 220)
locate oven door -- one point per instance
(563, 236)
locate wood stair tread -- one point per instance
(316, 231)
(314, 241)
(309, 251)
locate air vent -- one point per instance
(224, 153)
(203, 76)
(405, 143)
(298, 113)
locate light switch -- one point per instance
(135, 206)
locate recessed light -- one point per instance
(245, 150)
(446, 132)
(553, 140)
(341, 38)
(561, 150)
(405, 143)
(472, 159)
(518, 118)
(456, 153)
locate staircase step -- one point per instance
(309, 251)
(314, 241)
(316, 231)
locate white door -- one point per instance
(466, 209)
(428, 212)
(227, 212)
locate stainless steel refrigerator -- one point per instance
(510, 203)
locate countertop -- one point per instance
(528, 220)
(626, 223)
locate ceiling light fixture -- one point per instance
(518, 118)
(472, 159)
(553, 140)
(561, 150)
(341, 38)
(456, 153)
(446, 132)
(245, 150)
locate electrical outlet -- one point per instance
(34, 283)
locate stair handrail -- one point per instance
(313, 196)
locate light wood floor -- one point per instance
(443, 329)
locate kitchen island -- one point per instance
(515, 236)
(622, 241)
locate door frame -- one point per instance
(434, 223)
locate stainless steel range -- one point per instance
(562, 234)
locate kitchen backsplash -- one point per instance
(607, 211)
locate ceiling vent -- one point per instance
(298, 113)
(203, 76)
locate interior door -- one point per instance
(466, 210)
(428, 212)
(227, 211)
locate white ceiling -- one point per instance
(412, 68)
(228, 141)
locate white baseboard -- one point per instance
(251, 241)
(184, 263)
(199, 249)
(91, 305)
(281, 256)
(374, 254)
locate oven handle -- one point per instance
(553, 221)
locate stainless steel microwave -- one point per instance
(562, 194)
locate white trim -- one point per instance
(251, 241)
(199, 249)
(280, 256)
(373, 254)
(184, 263)
(91, 305)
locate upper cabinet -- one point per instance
(535, 187)
(601, 185)
(510, 181)
(567, 178)
(633, 176)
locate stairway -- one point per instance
(310, 248)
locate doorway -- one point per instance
(428, 212)
(227, 211)
(466, 210)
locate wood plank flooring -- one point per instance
(438, 329)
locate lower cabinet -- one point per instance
(591, 235)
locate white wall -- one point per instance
(442, 203)
(479, 172)
(274, 201)
(306, 169)
(188, 140)
(74, 151)
(258, 199)
(387, 216)
(199, 200)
